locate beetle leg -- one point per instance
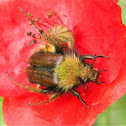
(86, 86)
(52, 99)
(75, 93)
(97, 82)
(101, 70)
(92, 57)
(27, 87)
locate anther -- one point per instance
(41, 31)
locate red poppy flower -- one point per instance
(99, 31)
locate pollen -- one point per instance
(47, 48)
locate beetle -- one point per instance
(60, 71)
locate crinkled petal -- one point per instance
(14, 39)
(99, 31)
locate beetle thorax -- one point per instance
(68, 72)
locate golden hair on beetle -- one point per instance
(69, 71)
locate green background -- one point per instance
(1, 116)
(115, 114)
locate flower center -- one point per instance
(54, 32)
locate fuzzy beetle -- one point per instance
(60, 71)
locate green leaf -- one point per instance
(114, 114)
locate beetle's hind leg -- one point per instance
(75, 93)
(92, 56)
(52, 99)
(27, 87)
(36, 90)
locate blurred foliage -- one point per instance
(1, 115)
(122, 4)
(115, 114)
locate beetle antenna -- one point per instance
(41, 31)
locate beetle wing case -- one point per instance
(44, 59)
(41, 69)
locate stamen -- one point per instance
(41, 31)
(48, 21)
(52, 29)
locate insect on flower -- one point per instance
(60, 70)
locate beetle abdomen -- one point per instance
(45, 59)
(41, 69)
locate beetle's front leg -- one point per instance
(75, 93)
(89, 56)
(97, 82)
